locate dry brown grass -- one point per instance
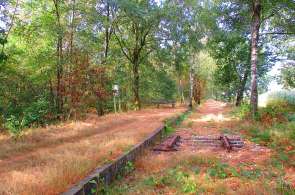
(49, 160)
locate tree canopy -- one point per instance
(59, 59)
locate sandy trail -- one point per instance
(212, 119)
(49, 160)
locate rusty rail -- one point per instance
(169, 144)
(226, 143)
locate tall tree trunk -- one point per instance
(197, 89)
(68, 73)
(191, 78)
(59, 69)
(51, 93)
(240, 94)
(136, 84)
(59, 76)
(180, 89)
(108, 33)
(256, 9)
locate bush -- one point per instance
(285, 98)
(14, 125)
(35, 114)
(242, 111)
(279, 108)
(291, 117)
(262, 137)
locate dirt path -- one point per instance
(204, 169)
(47, 161)
(212, 119)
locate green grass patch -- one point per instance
(171, 124)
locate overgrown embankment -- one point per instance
(254, 169)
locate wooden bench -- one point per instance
(159, 102)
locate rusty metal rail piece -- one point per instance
(169, 144)
(228, 141)
(225, 142)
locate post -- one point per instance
(116, 94)
(120, 109)
(115, 106)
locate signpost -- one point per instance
(116, 93)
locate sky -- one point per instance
(2, 25)
(275, 71)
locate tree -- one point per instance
(59, 56)
(232, 56)
(135, 40)
(255, 26)
(3, 41)
(287, 75)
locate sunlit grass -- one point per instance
(50, 160)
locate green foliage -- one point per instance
(280, 108)
(284, 187)
(223, 171)
(3, 41)
(287, 76)
(150, 181)
(129, 167)
(197, 170)
(14, 125)
(157, 85)
(94, 189)
(181, 177)
(260, 136)
(168, 129)
(283, 98)
(291, 117)
(279, 134)
(219, 170)
(172, 123)
(250, 174)
(242, 111)
(35, 114)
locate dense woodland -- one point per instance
(59, 59)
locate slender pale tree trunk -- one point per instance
(108, 33)
(191, 77)
(240, 94)
(59, 63)
(256, 11)
(136, 84)
(181, 91)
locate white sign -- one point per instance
(116, 90)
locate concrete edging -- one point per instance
(106, 174)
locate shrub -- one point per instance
(35, 114)
(242, 111)
(291, 117)
(250, 174)
(2, 126)
(14, 125)
(276, 111)
(220, 170)
(260, 136)
(282, 98)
